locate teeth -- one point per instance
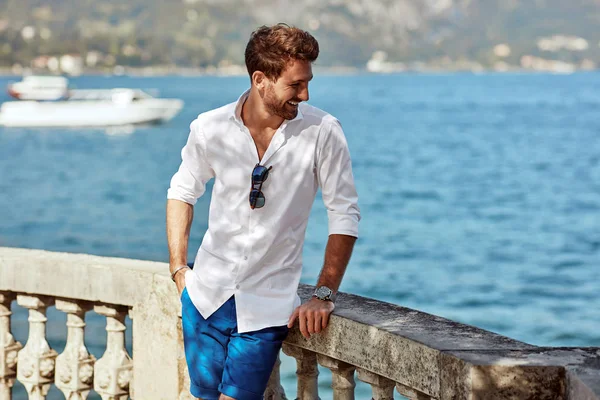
(292, 103)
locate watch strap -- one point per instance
(176, 271)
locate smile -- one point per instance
(294, 104)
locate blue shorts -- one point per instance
(221, 360)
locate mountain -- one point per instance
(442, 34)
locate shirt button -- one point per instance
(237, 286)
(245, 257)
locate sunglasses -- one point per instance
(259, 175)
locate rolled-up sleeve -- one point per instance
(189, 182)
(334, 172)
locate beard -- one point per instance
(278, 107)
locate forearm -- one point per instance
(179, 222)
(337, 255)
(313, 316)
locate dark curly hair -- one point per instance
(271, 48)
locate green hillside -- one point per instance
(202, 33)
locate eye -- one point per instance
(295, 85)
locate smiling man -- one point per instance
(268, 153)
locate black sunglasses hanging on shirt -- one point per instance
(259, 175)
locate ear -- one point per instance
(259, 79)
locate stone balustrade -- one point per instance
(391, 348)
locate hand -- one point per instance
(312, 316)
(180, 280)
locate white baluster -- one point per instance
(382, 388)
(9, 348)
(75, 366)
(412, 394)
(113, 372)
(342, 377)
(36, 361)
(307, 371)
(274, 389)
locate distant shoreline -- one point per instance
(337, 71)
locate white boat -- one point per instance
(37, 87)
(91, 108)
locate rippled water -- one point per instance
(480, 195)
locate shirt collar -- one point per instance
(236, 113)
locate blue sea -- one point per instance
(480, 196)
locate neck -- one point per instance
(255, 115)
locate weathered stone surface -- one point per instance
(75, 366)
(539, 373)
(413, 341)
(517, 382)
(9, 348)
(141, 285)
(583, 383)
(274, 390)
(381, 388)
(455, 378)
(307, 371)
(357, 344)
(583, 376)
(427, 329)
(342, 377)
(36, 361)
(77, 276)
(411, 394)
(113, 373)
(157, 328)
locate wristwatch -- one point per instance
(324, 293)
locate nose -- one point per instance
(303, 94)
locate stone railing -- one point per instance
(392, 348)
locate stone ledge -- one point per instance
(446, 359)
(585, 357)
(539, 373)
(433, 331)
(78, 276)
(399, 343)
(435, 356)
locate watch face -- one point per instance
(323, 292)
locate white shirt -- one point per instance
(256, 255)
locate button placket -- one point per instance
(248, 241)
(244, 256)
